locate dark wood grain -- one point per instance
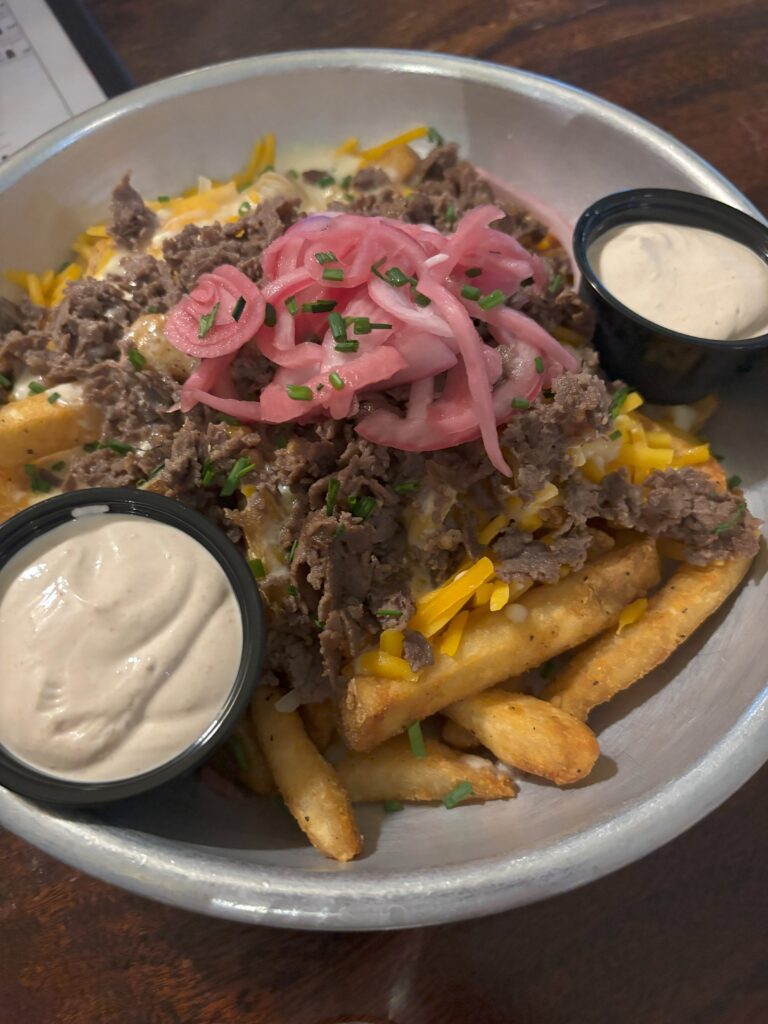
(680, 936)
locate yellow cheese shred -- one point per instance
(632, 613)
(388, 666)
(449, 644)
(391, 642)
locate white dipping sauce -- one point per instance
(686, 279)
(121, 638)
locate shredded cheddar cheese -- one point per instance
(388, 666)
(632, 613)
(375, 152)
(452, 637)
(391, 642)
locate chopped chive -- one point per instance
(376, 267)
(292, 173)
(520, 403)
(156, 471)
(434, 136)
(319, 387)
(494, 298)
(320, 306)
(5, 382)
(733, 482)
(473, 272)
(341, 528)
(337, 326)
(119, 447)
(235, 475)
(63, 266)
(391, 806)
(163, 199)
(326, 257)
(54, 397)
(36, 482)
(206, 321)
(615, 435)
(538, 362)
(246, 185)
(299, 392)
(243, 208)
(136, 359)
(281, 441)
(388, 613)
(361, 506)
(291, 305)
(57, 467)
(450, 214)
(468, 291)
(380, 327)
(208, 473)
(346, 182)
(359, 324)
(154, 309)
(92, 446)
(237, 309)
(238, 752)
(318, 623)
(36, 387)
(326, 181)
(419, 299)
(333, 274)
(223, 417)
(270, 315)
(291, 551)
(546, 669)
(333, 493)
(257, 568)
(407, 487)
(348, 197)
(457, 794)
(336, 381)
(416, 739)
(617, 401)
(555, 284)
(733, 520)
(292, 591)
(347, 346)
(397, 278)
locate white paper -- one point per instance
(43, 79)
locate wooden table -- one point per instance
(680, 936)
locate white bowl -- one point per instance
(674, 746)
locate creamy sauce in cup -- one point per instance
(121, 640)
(687, 279)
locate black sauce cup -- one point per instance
(664, 365)
(38, 520)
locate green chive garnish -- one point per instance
(416, 739)
(291, 305)
(333, 274)
(36, 482)
(157, 470)
(57, 467)
(206, 321)
(734, 520)
(208, 473)
(388, 613)
(5, 382)
(457, 794)
(238, 753)
(361, 507)
(617, 401)
(520, 403)
(434, 136)
(397, 278)
(321, 306)
(92, 446)
(346, 182)
(407, 487)
(615, 435)
(494, 298)
(243, 208)
(333, 493)
(347, 346)
(473, 272)
(468, 291)
(222, 417)
(380, 327)
(450, 214)
(270, 315)
(299, 392)
(318, 623)
(154, 309)
(54, 397)
(292, 591)
(376, 267)
(119, 447)
(326, 257)
(63, 266)
(292, 173)
(391, 806)
(237, 309)
(291, 551)
(337, 326)
(336, 381)
(733, 482)
(555, 284)
(235, 475)
(326, 180)
(538, 362)
(36, 387)
(137, 360)
(257, 568)
(419, 299)
(163, 199)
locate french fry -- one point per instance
(14, 492)
(391, 772)
(529, 734)
(33, 427)
(493, 648)
(615, 660)
(320, 722)
(457, 736)
(307, 782)
(241, 759)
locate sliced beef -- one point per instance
(91, 320)
(523, 558)
(131, 223)
(369, 178)
(149, 282)
(417, 650)
(11, 318)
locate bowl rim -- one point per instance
(330, 900)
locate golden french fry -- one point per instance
(457, 736)
(493, 648)
(392, 772)
(14, 492)
(33, 427)
(241, 760)
(320, 722)
(614, 661)
(529, 734)
(307, 782)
